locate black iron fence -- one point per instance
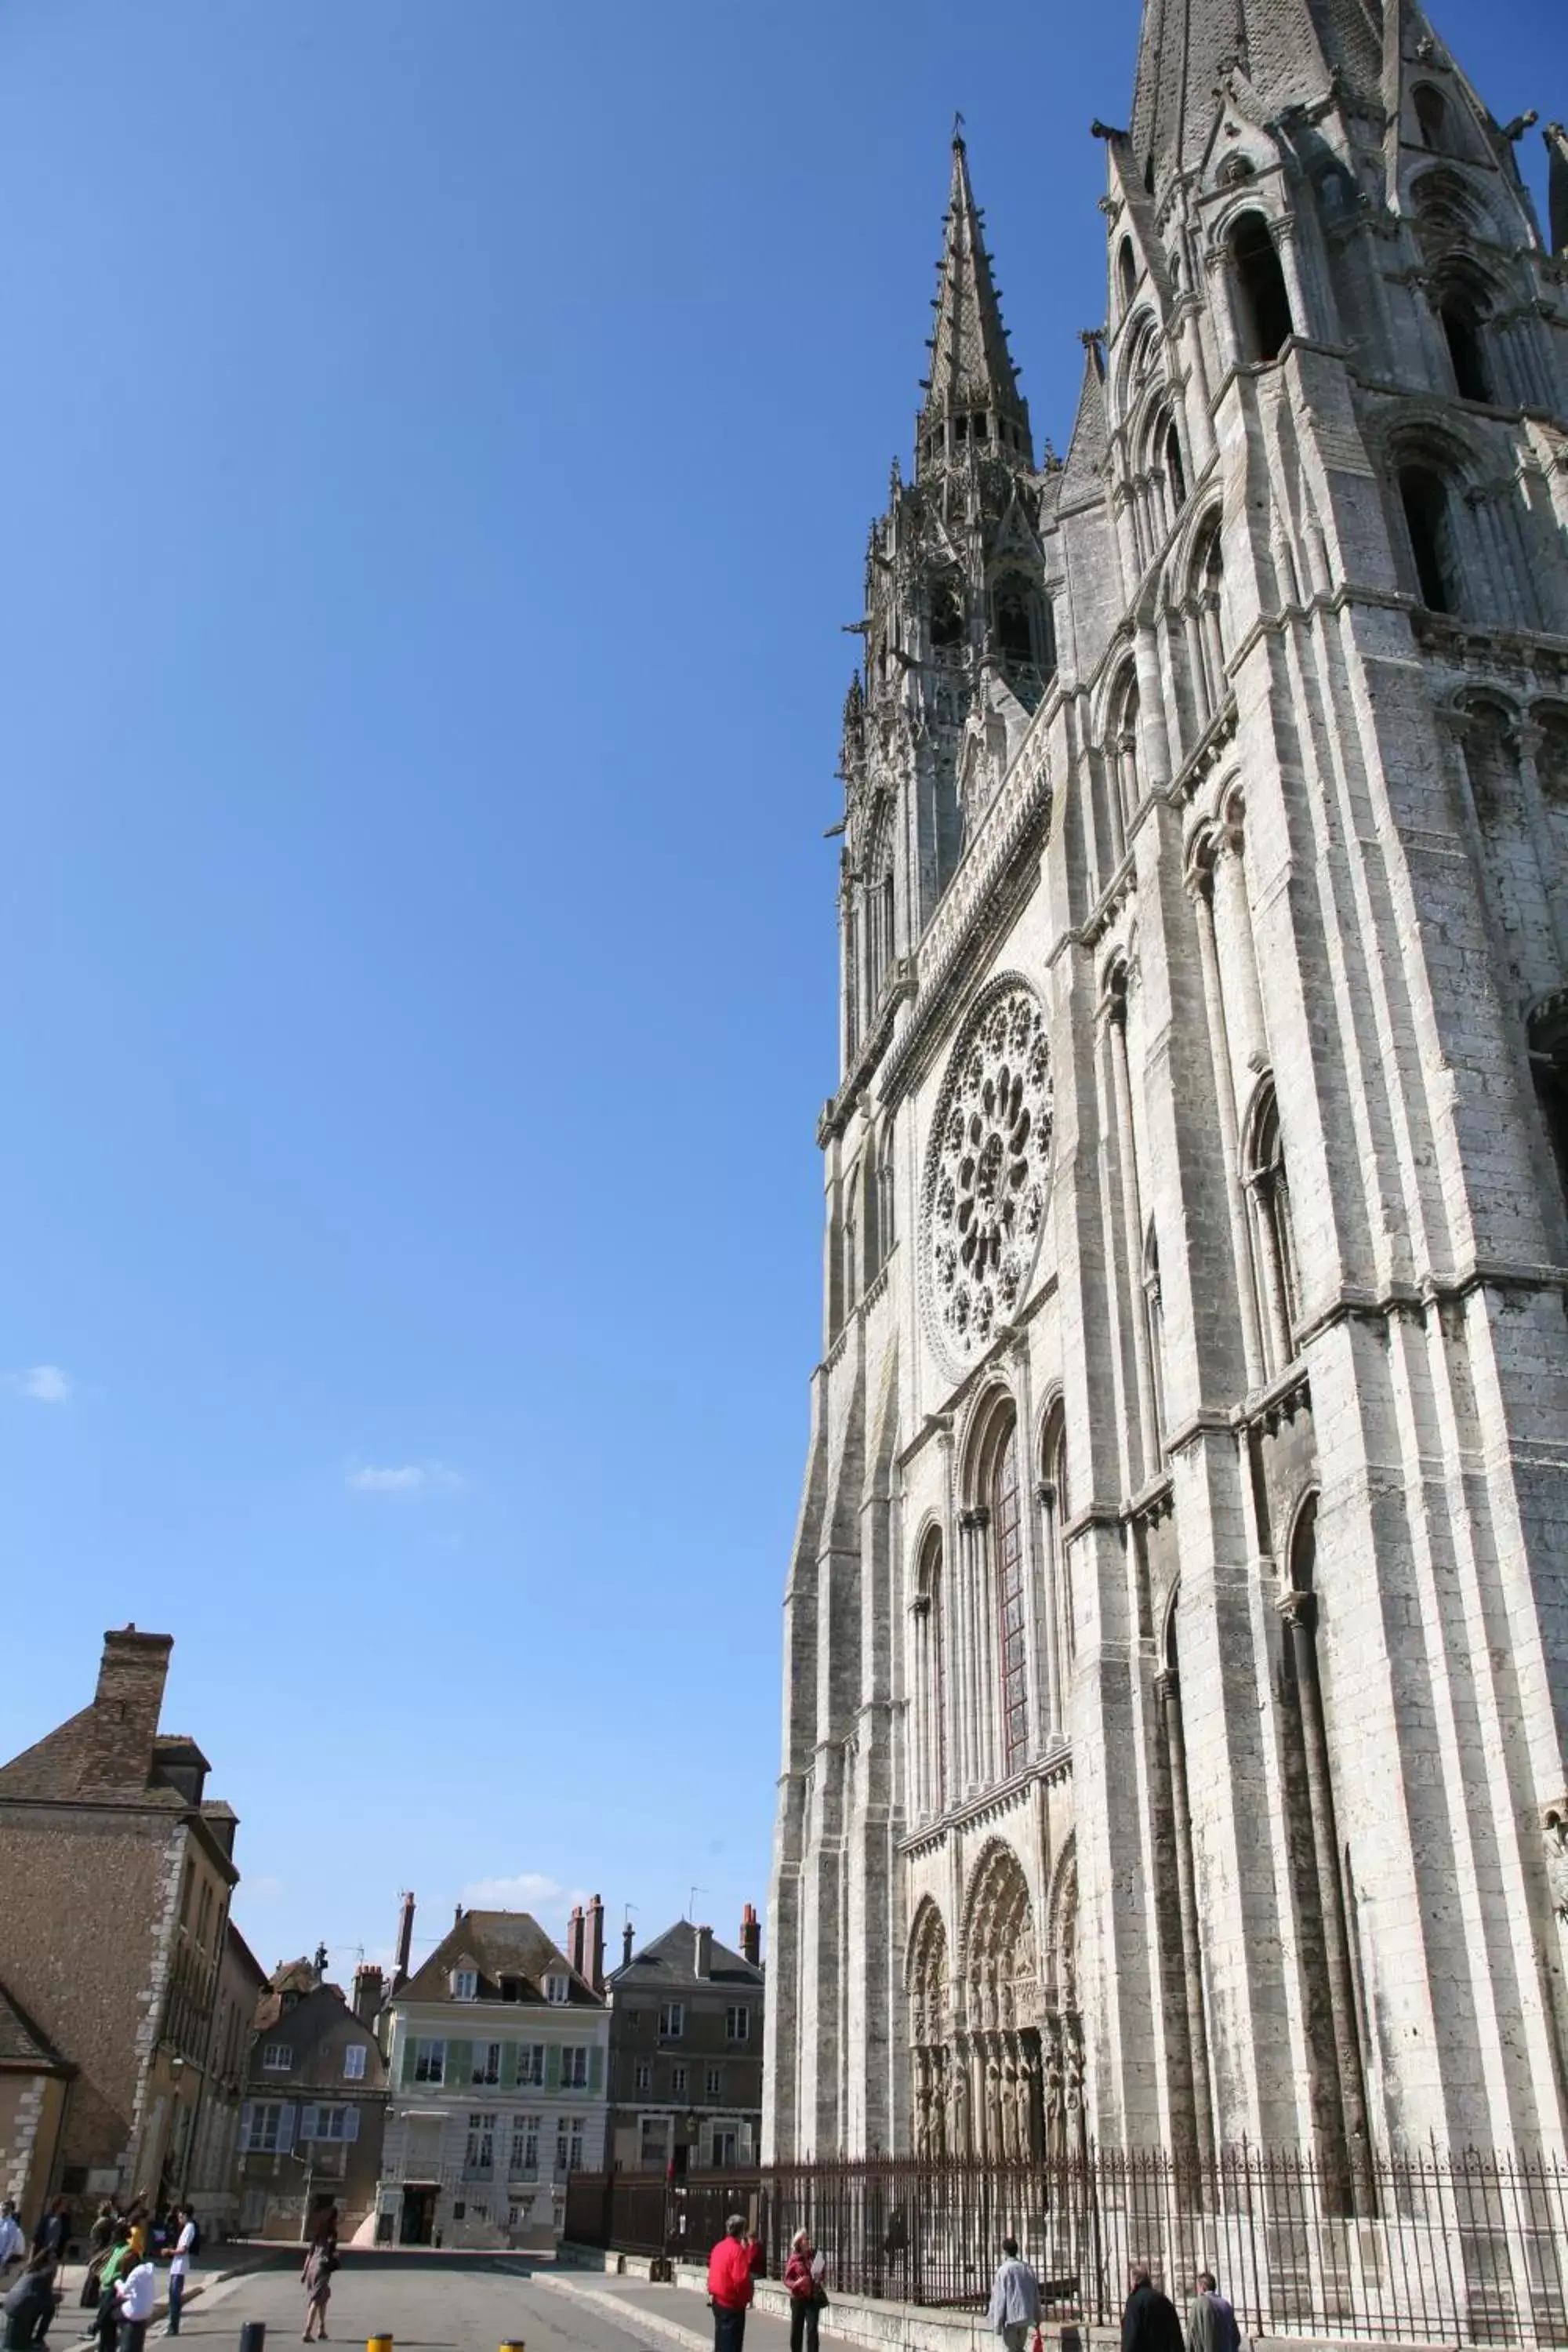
(1467, 2248)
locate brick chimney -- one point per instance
(596, 1970)
(404, 1940)
(125, 1709)
(704, 1952)
(575, 1931)
(751, 1936)
(369, 1992)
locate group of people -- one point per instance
(120, 2286)
(1150, 2321)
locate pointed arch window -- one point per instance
(1267, 322)
(1127, 273)
(1205, 633)
(1462, 310)
(1175, 472)
(1013, 1649)
(1273, 1236)
(932, 1663)
(1428, 507)
(1021, 619)
(1124, 747)
(1058, 1564)
(946, 613)
(1430, 108)
(1548, 1068)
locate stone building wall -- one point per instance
(1174, 1634)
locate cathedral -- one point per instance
(1177, 1630)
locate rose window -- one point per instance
(988, 1171)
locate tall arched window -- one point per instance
(885, 1195)
(1127, 273)
(1431, 111)
(1123, 747)
(1548, 1068)
(1462, 312)
(1429, 526)
(1022, 629)
(933, 1624)
(1175, 473)
(1273, 1239)
(1266, 324)
(1206, 599)
(1006, 1520)
(946, 612)
(1155, 1315)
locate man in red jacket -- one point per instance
(731, 2266)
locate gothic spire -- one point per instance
(1286, 48)
(971, 393)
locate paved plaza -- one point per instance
(455, 2302)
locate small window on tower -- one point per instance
(946, 613)
(1461, 315)
(1424, 496)
(1127, 272)
(1265, 299)
(1431, 117)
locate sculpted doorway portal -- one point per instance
(998, 2071)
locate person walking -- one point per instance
(1149, 2320)
(807, 2295)
(30, 2304)
(317, 2274)
(180, 2264)
(732, 2267)
(1211, 2322)
(1015, 2299)
(53, 2232)
(136, 2291)
(12, 2238)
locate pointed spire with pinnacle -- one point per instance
(972, 394)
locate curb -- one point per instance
(632, 2320)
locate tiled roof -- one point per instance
(671, 1959)
(496, 1944)
(21, 2041)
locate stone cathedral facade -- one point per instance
(1176, 1650)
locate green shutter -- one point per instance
(410, 2050)
(460, 2063)
(596, 2067)
(552, 2066)
(509, 2066)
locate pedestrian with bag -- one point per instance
(807, 2295)
(1014, 2298)
(12, 2238)
(732, 2267)
(317, 2274)
(30, 2304)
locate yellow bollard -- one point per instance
(378, 2344)
(513, 2343)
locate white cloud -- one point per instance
(45, 1383)
(530, 1890)
(405, 1478)
(263, 1889)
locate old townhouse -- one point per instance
(106, 1809)
(315, 2107)
(686, 2052)
(497, 2054)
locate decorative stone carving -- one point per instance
(987, 1172)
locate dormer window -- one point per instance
(276, 2058)
(465, 1984)
(557, 1987)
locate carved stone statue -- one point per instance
(1024, 2095)
(958, 2107)
(1055, 2112)
(938, 2106)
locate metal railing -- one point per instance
(1466, 2249)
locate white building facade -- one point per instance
(498, 2068)
(1176, 1636)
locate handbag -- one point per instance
(91, 2291)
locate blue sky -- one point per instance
(437, 444)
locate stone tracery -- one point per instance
(988, 1171)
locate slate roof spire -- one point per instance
(971, 373)
(1286, 48)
